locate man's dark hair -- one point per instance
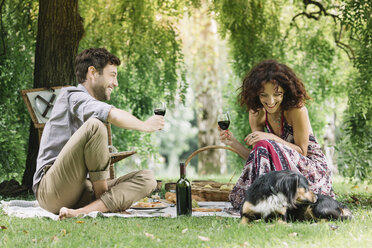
(97, 57)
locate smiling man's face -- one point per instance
(105, 82)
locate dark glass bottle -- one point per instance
(183, 193)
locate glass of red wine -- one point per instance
(223, 120)
(160, 108)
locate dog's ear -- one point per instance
(287, 184)
(291, 182)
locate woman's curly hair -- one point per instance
(271, 71)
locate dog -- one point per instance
(272, 194)
(325, 208)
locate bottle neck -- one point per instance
(182, 170)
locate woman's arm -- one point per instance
(256, 121)
(228, 138)
(298, 118)
(123, 119)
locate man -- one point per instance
(74, 144)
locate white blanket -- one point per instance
(31, 209)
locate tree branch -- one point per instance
(2, 27)
(316, 16)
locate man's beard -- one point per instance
(100, 93)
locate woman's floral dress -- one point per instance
(268, 155)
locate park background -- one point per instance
(192, 54)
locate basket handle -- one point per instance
(208, 148)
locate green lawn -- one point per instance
(196, 232)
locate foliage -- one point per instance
(311, 51)
(252, 30)
(18, 32)
(143, 34)
(356, 142)
(259, 30)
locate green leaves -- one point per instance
(356, 142)
(16, 71)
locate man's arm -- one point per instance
(123, 119)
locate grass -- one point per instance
(196, 232)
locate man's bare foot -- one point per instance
(65, 213)
(97, 205)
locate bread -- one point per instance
(148, 204)
(171, 197)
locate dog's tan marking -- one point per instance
(309, 215)
(346, 213)
(282, 211)
(246, 210)
(303, 196)
(245, 220)
(280, 221)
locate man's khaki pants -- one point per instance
(65, 184)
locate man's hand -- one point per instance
(123, 119)
(154, 123)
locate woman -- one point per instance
(282, 138)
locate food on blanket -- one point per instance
(155, 197)
(171, 197)
(194, 204)
(144, 200)
(206, 209)
(226, 187)
(208, 186)
(197, 198)
(149, 205)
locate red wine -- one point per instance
(159, 111)
(183, 193)
(224, 125)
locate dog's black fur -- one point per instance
(324, 208)
(272, 194)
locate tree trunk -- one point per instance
(206, 56)
(60, 29)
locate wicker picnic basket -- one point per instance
(213, 191)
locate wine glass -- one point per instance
(160, 108)
(223, 120)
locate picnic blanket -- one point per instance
(31, 209)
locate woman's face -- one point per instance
(271, 96)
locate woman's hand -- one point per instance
(227, 137)
(256, 136)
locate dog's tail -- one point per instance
(346, 214)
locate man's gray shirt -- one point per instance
(73, 107)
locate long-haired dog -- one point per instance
(325, 208)
(272, 194)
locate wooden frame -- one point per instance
(27, 94)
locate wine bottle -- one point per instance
(183, 193)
